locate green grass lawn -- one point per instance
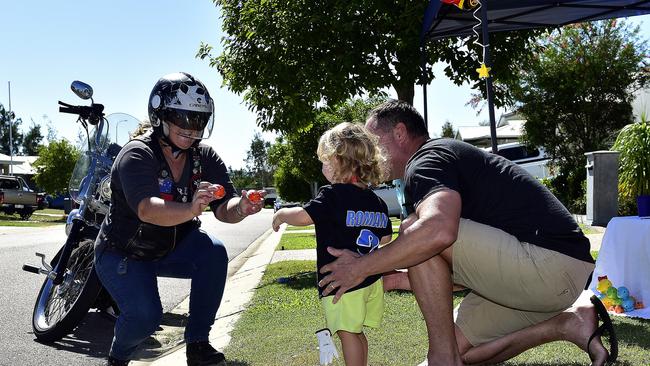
(297, 241)
(39, 218)
(294, 228)
(278, 329)
(586, 229)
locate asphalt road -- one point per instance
(90, 342)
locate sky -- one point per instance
(121, 48)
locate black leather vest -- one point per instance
(126, 233)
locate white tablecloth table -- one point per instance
(624, 258)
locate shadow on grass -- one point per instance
(236, 362)
(618, 363)
(634, 334)
(297, 281)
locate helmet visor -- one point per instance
(201, 122)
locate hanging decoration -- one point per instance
(483, 71)
(458, 3)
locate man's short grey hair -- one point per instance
(392, 112)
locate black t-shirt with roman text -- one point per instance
(348, 217)
(495, 192)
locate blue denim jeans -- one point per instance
(134, 287)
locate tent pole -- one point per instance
(424, 101)
(488, 80)
(423, 65)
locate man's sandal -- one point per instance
(606, 327)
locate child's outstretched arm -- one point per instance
(296, 216)
(385, 240)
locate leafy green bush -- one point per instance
(626, 205)
(562, 187)
(633, 143)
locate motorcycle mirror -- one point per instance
(83, 90)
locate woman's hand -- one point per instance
(248, 207)
(202, 198)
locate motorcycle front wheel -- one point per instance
(60, 308)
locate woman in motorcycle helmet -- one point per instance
(161, 182)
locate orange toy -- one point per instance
(618, 309)
(254, 196)
(219, 191)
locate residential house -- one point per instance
(20, 165)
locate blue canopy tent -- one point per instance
(446, 20)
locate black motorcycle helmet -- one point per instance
(181, 99)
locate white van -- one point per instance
(533, 160)
(389, 195)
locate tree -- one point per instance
(288, 57)
(52, 134)
(257, 162)
(578, 94)
(32, 140)
(54, 166)
(6, 119)
(448, 130)
(241, 179)
(298, 171)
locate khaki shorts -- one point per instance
(514, 284)
(356, 309)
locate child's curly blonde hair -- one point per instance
(356, 152)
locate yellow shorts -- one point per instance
(355, 309)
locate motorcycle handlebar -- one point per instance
(94, 110)
(71, 110)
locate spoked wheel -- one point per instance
(60, 308)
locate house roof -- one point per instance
(21, 165)
(507, 128)
(468, 133)
(5, 159)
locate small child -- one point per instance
(348, 215)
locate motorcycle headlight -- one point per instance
(105, 188)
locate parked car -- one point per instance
(280, 203)
(56, 202)
(18, 197)
(533, 160)
(271, 196)
(389, 194)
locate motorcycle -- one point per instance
(71, 287)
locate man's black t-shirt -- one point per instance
(495, 192)
(348, 217)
